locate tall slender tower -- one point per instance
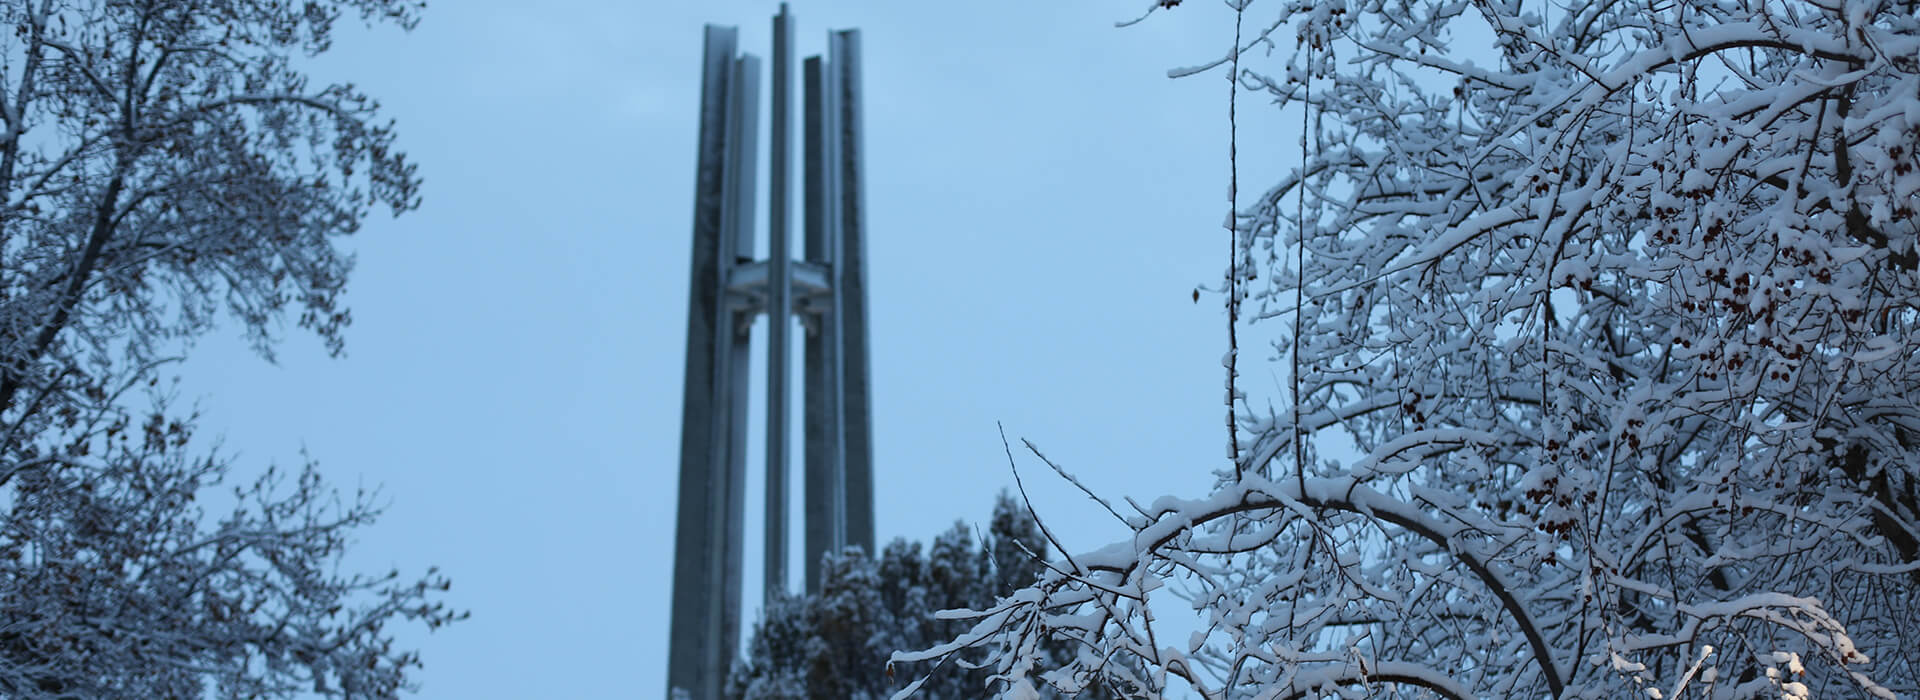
(825, 289)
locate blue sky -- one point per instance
(1043, 201)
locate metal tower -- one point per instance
(826, 289)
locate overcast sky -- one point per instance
(1043, 201)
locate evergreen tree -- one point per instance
(783, 634)
(836, 644)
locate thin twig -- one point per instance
(1022, 487)
(1075, 481)
(1233, 241)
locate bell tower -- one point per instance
(825, 288)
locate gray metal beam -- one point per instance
(737, 236)
(698, 639)
(779, 286)
(748, 284)
(851, 283)
(822, 368)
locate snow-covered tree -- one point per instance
(163, 165)
(835, 644)
(1603, 326)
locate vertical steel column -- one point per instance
(822, 425)
(779, 302)
(742, 152)
(850, 283)
(706, 549)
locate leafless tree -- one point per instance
(163, 165)
(1607, 351)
